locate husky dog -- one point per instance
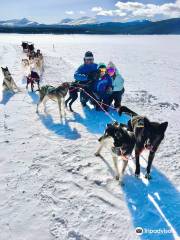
(38, 63)
(56, 94)
(25, 62)
(76, 87)
(33, 78)
(147, 134)
(121, 142)
(73, 94)
(25, 47)
(8, 82)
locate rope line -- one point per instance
(100, 105)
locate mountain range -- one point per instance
(87, 25)
(18, 23)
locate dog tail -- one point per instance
(127, 111)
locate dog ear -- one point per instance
(146, 122)
(163, 126)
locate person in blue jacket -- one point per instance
(103, 87)
(85, 75)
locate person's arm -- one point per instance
(120, 81)
(110, 86)
(79, 76)
(110, 83)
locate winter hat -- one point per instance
(111, 65)
(88, 55)
(101, 65)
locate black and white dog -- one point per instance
(121, 143)
(76, 87)
(147, 134)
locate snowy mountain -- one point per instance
(18, 23)
(66, 21)
(78, 21)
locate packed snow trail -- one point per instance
(53, 187)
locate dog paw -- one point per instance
(97, 154)
(148, 176)
(137, 175)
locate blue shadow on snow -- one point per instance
(96, 121)
(6, 96)
(34, 96)
(144, 211)
(59, 129)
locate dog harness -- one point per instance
(118, 151)
(137, 121)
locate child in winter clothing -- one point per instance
(118, 84)
(103, 87)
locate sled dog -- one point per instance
(8, 81)
(54, 93)
(121, 143)
(148, 135)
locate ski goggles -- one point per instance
(103, 70)
(111, 70)
(88, 59)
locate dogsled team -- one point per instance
(101, 85)
(34, 62)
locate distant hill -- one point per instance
(90, 26)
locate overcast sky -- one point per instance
(52, 11)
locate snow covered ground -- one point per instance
(51, 184)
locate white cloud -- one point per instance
(69, 12)
(97, 9)
(130, 6)
(168, 10)
(135, 10)
(105, 13)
